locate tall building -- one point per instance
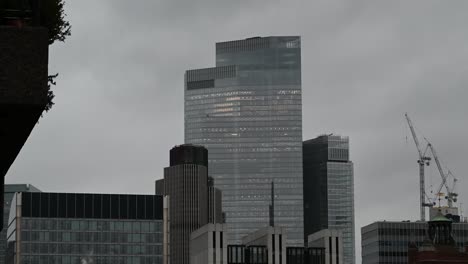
(58, 228)
(186, 186)
(389, 241)
(329, 189)
(247, 111)
(10, 190)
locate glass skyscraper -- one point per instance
(329, 189)
(247, 111)
(71, 228)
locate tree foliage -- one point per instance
(53, 18)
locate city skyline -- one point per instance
(117, 112)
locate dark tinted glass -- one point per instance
(141, 207)
(149, 207)
(157, 207)
(97, 205)
(105, 206)
(62, 205)
(53, 200)
(44, 205)
(36, 204)
(71, 204)
(132, 206)
(26, 205)
(80, 205)
(114, 203)
(88, 205)
(123, 206)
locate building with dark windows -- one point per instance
(247, 111)
(10, 190)
(329, 189)
(302, 255)
(185, 185)
(241, 254)
(389, 241)
(69, 228)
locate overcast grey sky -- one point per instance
(119, 95)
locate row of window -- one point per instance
(29, 259)
(91, 225)
(87, 237)
(89, 249)
(197, 95)
(83, 205)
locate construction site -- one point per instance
(443, 197)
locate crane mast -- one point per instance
(422, 161)
(451, 195)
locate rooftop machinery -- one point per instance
(424, 160)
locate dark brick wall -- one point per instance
(23, 65)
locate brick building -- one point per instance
(439, 246)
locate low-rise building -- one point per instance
(208, 244)
(389, 241)
(69, 228)
(331, 241)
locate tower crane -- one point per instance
(451, 195)
(422, 161)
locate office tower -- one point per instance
(186, 185)
(85, 228)
(389, 241)
(329, 189)
(10, 190)
(247, 112)
(332, 243)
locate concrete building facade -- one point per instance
(331, 241)
(209, 245)
(273, 238)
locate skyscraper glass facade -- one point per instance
(70, 228)
(247, 111)
(329, 189)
